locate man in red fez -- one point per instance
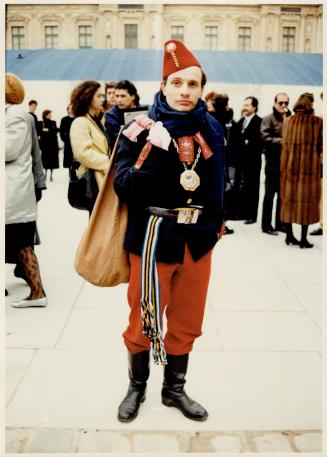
(170, 173)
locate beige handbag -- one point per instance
(101, 258)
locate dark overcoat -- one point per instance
(157, 183)
(113, 120)
(48, 132)
(300, 185)
(246, 152)
(64, 130)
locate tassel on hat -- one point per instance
(177, 57)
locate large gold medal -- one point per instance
(190, 180)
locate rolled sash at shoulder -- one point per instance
(186, 149)
(206, 151)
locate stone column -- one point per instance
(115, 39)
(319, 34)
(299, 46)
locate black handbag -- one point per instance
(83, 191)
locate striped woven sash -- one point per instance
(150, 299)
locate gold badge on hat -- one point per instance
(171, 48)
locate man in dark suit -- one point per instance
(248, 150)
(32, 105)
(271, 134)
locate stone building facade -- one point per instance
(252, 27)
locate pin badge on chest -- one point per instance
(189, 180)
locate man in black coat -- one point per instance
(170, 173)
(126, 98)
(247, 151)
(32, 105)
(271, 134)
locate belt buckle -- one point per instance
(187, 215)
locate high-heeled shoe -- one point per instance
(36, 302)
(291, 240)
(305, 244)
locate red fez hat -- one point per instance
(177, 57)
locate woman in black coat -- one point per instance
(65, 125)
(48, 131)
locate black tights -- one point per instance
(304, 232)
(30, 265)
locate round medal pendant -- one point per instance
(190, 180)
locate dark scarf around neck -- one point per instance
(178, 123)
(181, 124)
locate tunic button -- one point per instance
(189, 201)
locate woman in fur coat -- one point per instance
(301, 159)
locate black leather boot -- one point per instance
(290, 238)
(173, 393)
(138, 372)
(304, 243)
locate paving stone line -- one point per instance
(26, 439)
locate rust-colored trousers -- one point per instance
(183, 292)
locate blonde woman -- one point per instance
(21, 211)
(88, 137)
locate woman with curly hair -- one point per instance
(209, 99)
(88, 137)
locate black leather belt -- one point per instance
(185, 215)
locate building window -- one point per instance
(290, 9)
(51, 36)
(131, 36)
(130, 6)
(177, 32)
(18, 37)
(307, 46)
(288, 39)
(269, 45)
(244, 38)
(85, 36)
(211, 37)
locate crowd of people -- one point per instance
(184, 168)
(252, 138)
(291, 146)
(248, 141)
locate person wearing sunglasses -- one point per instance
(271, 135)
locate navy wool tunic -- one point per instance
(157, 183)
